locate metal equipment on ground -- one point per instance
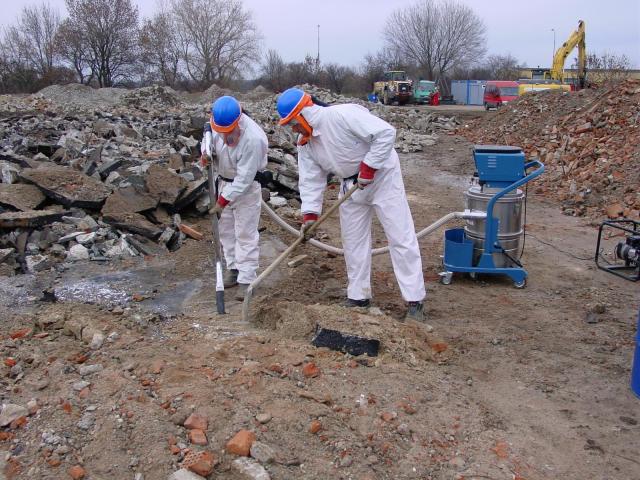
(626, 253)
(217, 247)
(490, 243)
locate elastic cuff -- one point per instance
(366, 171)
(307, 217)
(223, 202)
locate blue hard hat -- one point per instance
(225, 114)
(289, 104)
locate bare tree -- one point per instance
(502, 67)
(219, 38)
(436, 35)
(274, 71)
(31, 41)
(606, 67)
(71, 49)
(107, 30)
(336, 76)
(162, 47)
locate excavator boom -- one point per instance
(577, 39)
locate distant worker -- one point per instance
(350, 142)
(240, 145)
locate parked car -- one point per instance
(498, 93)
(423, 91)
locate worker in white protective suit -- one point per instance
(350, 142)
(240, 146)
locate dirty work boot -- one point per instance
(230, 278)
(350, 303)
(415, 311)
(241, 291)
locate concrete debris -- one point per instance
(78, 252)
(133, 222)
(184, 474)
(11, 412)
(29, 219)
(164, 185)
(68, 187)
(249, 469)
(20, 196)
(129, 200)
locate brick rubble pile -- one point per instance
(589, 142)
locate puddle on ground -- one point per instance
(118, 288)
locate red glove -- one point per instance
(365, 177)
(219, 206)
(204, 160)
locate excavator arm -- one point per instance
(577, 39)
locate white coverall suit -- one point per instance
(343, 136)
(239, 220)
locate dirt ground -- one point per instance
(501, 384)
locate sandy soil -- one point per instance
(501, 384)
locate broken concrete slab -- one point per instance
(175, 162)
(16, 159)
(145, 246)
(4, 253)
(68, 187)
(165, 185)
(107, 168)
(345, 342)
(133, 222)
(30, 218)
(129, 200)
(9, 172)
(21, 196)
(38, 263)
(190, 195)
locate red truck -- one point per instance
(497, 93)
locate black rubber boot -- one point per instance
(230, 278)
(350, 303)
(415, 311)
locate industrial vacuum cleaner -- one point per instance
(491, 241)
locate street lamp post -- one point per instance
(554, 42)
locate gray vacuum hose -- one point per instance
(467, 214)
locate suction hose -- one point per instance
(467, 214)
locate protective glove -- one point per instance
(204, 160)
(308, 219)
(365, 176)
(219, 206)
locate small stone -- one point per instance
(32, 406)
(315, 426)
(81, 385)
(388, 416)
(86, 421)
(11, 412)
(201, 463)
(310, 370)
(90, 369)
(262, 452)
(184, 474)
(77, 472)
(96, 341)
(263, 418)
(403, 429)
(250, 469)
(241, 443)
(78, 252)
(196, 421)
(599, 308)
(345, 461)
(197, 437)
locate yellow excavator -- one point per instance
(575, 40)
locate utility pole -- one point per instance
(318, 57)
(554, 42)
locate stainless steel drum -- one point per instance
(508, 210)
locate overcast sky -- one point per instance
(351, 28)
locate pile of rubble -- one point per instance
(589, 142)
(95, 174)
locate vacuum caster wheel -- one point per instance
(446, 277)
(521, 284)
